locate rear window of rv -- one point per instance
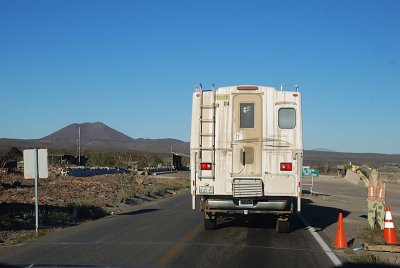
(287, 118)
(247, 115)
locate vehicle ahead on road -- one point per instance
(246, 152)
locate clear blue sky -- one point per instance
(133, 64)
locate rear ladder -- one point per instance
(207, 131)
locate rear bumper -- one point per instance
(276, 205)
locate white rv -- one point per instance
(246, 152)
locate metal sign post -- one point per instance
(310, 172)
(36, 163)
(35, 167)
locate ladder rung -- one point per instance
(207, 120)
(209, 149)
(207, 135)
(207, 177)
(208, 106)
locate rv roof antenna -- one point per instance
(199, 87)
(296, 87)
(213, 86)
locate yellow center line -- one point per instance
(168, 257)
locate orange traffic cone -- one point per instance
(389, 233)
(340, 240)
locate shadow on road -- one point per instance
(321, 217)
(250, 221)
(267, 221)
(138, 212)
(2, 265)
(308, 192)
(21, 216)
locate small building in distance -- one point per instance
(74, 160)
(177, 161)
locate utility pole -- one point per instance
(79, 145)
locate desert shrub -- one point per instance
(367, 258)
(126, 179)
(54, 215)
(125, 194)
(5, 222)
(104, 159)
(86, 210)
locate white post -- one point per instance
(299, 201)
(193, 176)
(194, 201)
(36, 163)
(300, 182)
(312, 185)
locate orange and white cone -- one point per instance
(389, 233)
(340, 239)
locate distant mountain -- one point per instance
(323, 150)
(92, 131)
(98, 136)
(336, 158)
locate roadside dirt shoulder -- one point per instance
(68, 201)
(336, 195)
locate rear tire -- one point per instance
(283, 226)
(210, 224)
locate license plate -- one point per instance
(246, 202)
(206, 189)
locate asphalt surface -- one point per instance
(168, 233)
(337, 186)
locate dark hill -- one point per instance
(336, 158)
(91, 131)
(98, 137)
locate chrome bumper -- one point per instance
(257, 205)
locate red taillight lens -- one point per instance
(206, 166)
(286, 166)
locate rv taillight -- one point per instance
(206, 166)
(286, 166)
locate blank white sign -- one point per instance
(29, 163)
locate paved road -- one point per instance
(345, 195)
(169, 234)
(338, 186)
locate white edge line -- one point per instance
(321, 242)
